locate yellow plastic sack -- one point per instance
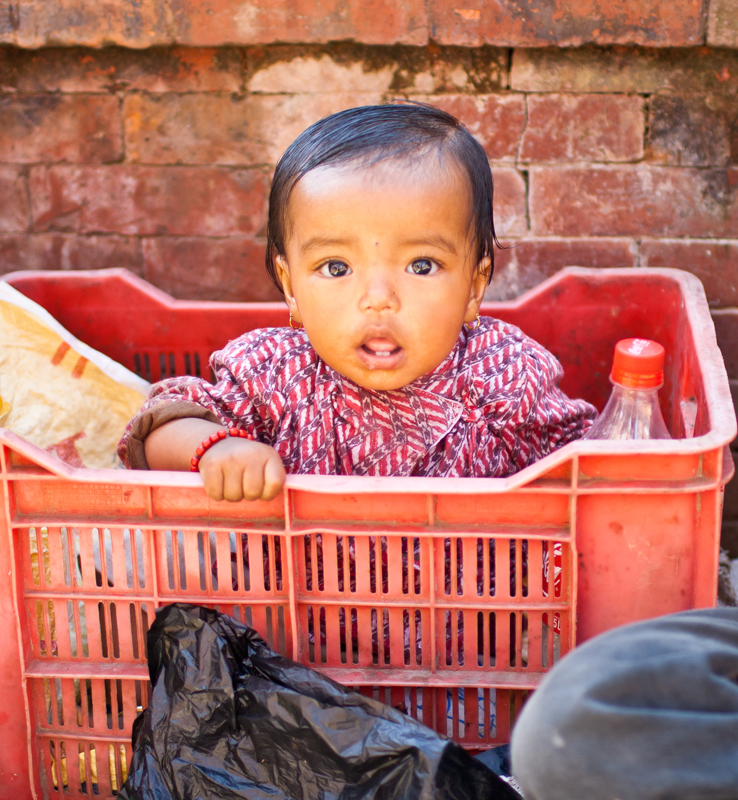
(59, 393)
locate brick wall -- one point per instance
(142, 133)
(159, 159)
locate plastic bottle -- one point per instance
(633, 410)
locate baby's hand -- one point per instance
(239, 469)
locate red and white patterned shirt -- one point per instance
(492, 407)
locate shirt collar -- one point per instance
(425, 403)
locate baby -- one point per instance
(381, 239)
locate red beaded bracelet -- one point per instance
(214, 438)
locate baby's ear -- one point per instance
(283, 273)
(480, 280)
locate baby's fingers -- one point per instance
(234, 482)
(261, 479)
(236, 469)
(214, 480)
(273, 477)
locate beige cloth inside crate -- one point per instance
(59, 393)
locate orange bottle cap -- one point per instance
(638, 364)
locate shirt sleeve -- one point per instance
(241, 371)
(528, 410)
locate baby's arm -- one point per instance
(232, 469)
(180, 413)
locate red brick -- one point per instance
(625, 69)
(278, 120)
(510, 214)
(13, 200)
(595, 127)
(209, 269)
(52, 127)
(157, 69)
(190, 129)
(495, 120)
(524, 264)
(715, 263)
(224, 129)
(633, 201)
(216, 22)
(351, 67)
(566, 23)
(318, 73)
(91, 23)
(726, 329)
(722, 23)
(68, 251)
(148, 200)
(529, 23)
(692, 130)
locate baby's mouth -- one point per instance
(380, 353)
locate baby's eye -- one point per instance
(423, 266)
(335, 269)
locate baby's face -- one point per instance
(380, 268)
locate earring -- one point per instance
(477, 322)
(292, 324)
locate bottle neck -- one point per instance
(650, 390)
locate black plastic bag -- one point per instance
(229, 718)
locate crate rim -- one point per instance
(717, 393)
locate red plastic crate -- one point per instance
(433, 594)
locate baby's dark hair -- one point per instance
(370, 134)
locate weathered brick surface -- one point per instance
(533, 23)
(453, 69)
(191, 129)
(199, 128)
(633, 201)
(693, 130)
(52, 127)
(300, 68)
(158, 69)
(135, 200)
(722, 23)
(92, 23)
(715, 263)
(526, 23)
(348, 66)
(726, 328)
(598, 127)
(496, 120)
(321, 74)
(224, 129)
(510, 214)
(220, 269)
(216, 22)
(524, 264)
(14, 210)
(625, 69)
(69, 251)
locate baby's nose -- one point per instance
(380, 294)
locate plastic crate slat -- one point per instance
(87, 736)
(535, 570)
(443, 678)
(86, 669)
